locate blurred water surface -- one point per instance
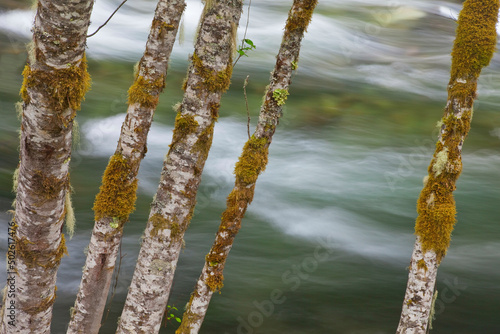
(331, 225)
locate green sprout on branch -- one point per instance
(246, 45)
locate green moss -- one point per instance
(213, 81)
(252, 161)
(64, 88)
(146, 92)
(280, 96)
(301, 16)
(117, 195)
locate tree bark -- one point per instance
(173, 205)
(474, 46)
(117, 195)
(251, 163)
(55, 82)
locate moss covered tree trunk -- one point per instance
(173, 205)
(55, 82)
(474, 46)
(117, 196)
(251, 163)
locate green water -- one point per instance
(325, 245)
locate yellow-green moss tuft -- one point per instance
(475, 41)
(184, 125)
(146, 92)
(160, 223)
(15, 180)
(301, 17)
(46, 186)
(215, 282)
(65, 87)
(213, 81)
(436, 217)
(440, 162)
(44, 259)
(252, 161)
(421, 264)
(19, 110)
(117, 195)
(70, 215)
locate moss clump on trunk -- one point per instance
(117, 195)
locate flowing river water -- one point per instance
(324, 247)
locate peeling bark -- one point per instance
(474, 46)
(173, 205)
(251, 163)
(117, 195)
(55, 82)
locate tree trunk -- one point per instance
(117, 195)
(55, 82)
(251, 163)
(474, 46)
(173, 205)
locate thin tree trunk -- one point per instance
(474, 46)
(251, 163)
(117, 196)
(55, 82)
(173, 205)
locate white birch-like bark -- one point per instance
(173, 205)
(474, 46)
(106, 237)
(419, 291)
(251, 163)
(55, 81)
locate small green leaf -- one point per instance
(249, 42)
(178, 319)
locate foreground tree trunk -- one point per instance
(173, 205)
(251, 163)
(474, 46)
(116, 199)
(55, 82)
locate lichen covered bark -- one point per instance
(474, 46)
(55, 82)
(251, 163)
(117, 196)
(173, 205)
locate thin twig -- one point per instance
(245, 33)
(246, 102)
(109, 18)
